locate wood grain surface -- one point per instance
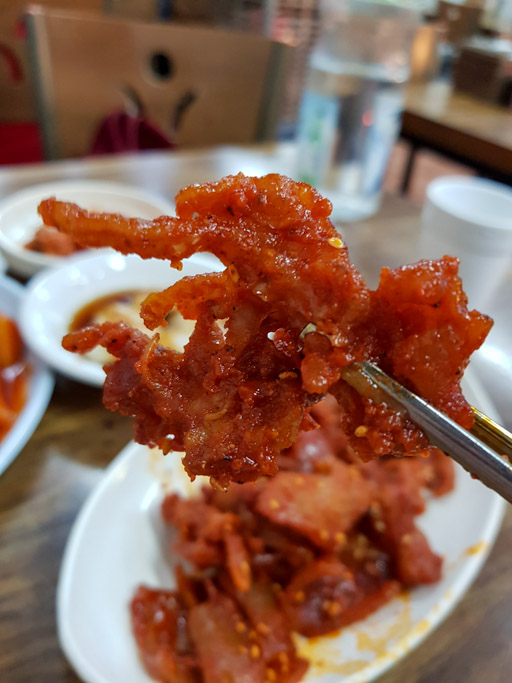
(459, 125)
(40, 495)
(43, 490)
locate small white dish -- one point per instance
(40, 383)
(55, 296)
(470, 218)
(118, 541)
(19, 219)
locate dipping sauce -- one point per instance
(13, 375)
(124, 307)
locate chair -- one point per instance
(16, 103)
(199, 86)
(19, 133)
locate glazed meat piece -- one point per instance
(221, 638)
(294, 312)
(160, 626)
(209, 537)
(312, 505)
(398, 500)
(229, 650)
(296, 579)
(327, 595)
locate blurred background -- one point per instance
(74, 73)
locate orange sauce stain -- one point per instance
(341, 669)
(421, 628)
(448, 595)
(324, 656)
(476, 549)
(380, 645)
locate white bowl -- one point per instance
(472, 219)
(55, 296)
(19, 219)
(40, 383)
(119, 541)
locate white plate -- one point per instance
(493, 361)
(19, 219)
(118, 541)
(40, 387)
(56, 295)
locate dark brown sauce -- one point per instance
(87, 314)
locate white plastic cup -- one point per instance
(470, 218)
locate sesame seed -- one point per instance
(233, 273)
(263, 628)
(288, 375)
(334, 609)
(299, 596)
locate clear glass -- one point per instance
(352, 103)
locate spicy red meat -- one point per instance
(312, 505)
(47, 240)
(296, 313)
(159, 620)
(322, 544)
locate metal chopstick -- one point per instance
(480, 451)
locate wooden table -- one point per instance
(42, 491)
(468, 130)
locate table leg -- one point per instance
(409, 166)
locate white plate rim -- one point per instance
(41, 388)
(374, 669)
(80, 369)
(33, 261)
